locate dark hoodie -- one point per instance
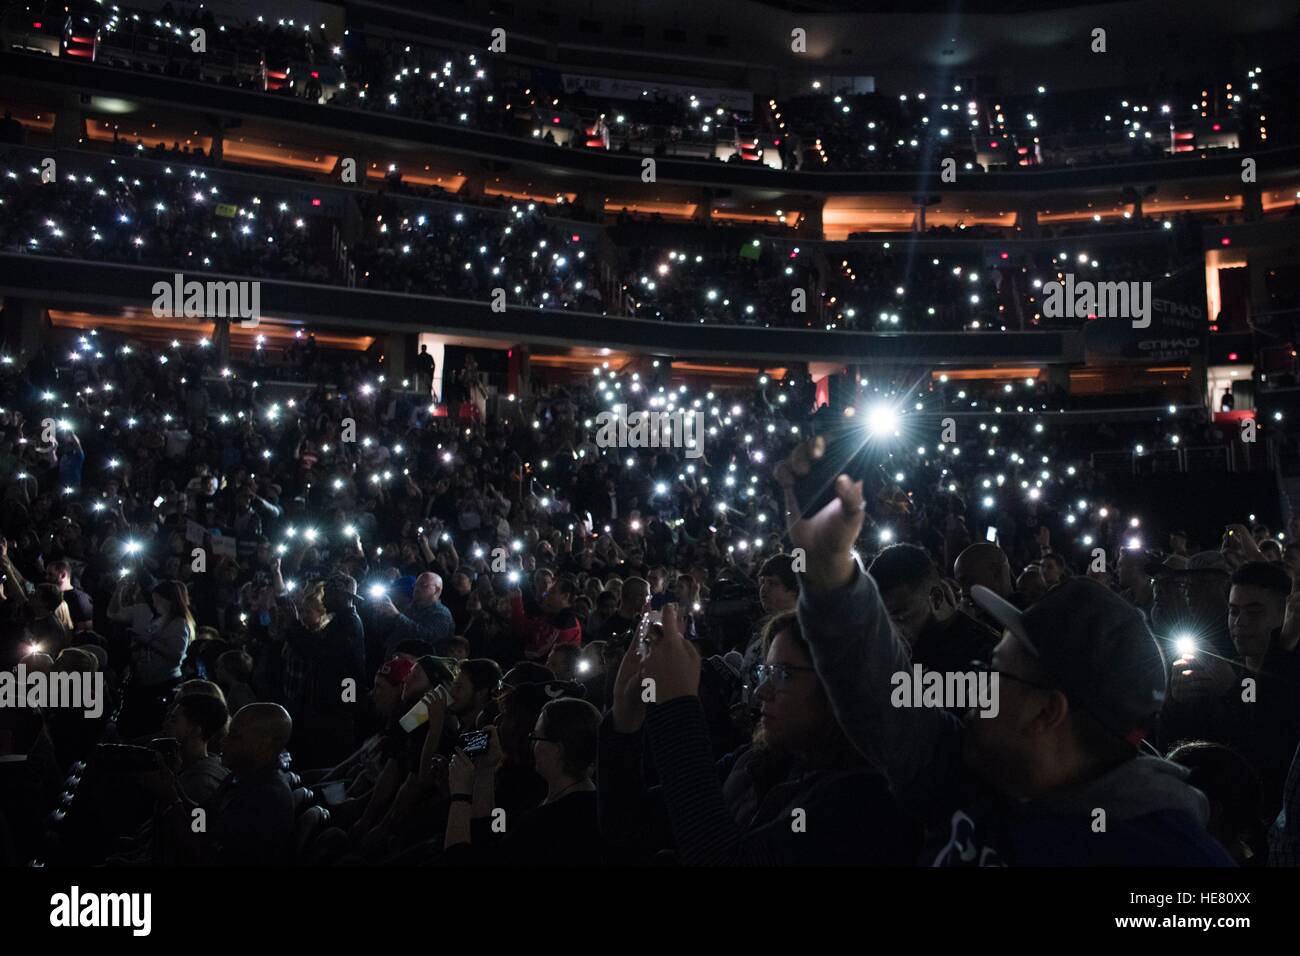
(1153, 818)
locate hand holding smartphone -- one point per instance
(648, 617)
(475, 742)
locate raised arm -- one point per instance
(854, 647)
(17, 593)
(117, 612)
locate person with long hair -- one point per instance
(161, 632)
(50, 624)
(799, 793)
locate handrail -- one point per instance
(57, 281)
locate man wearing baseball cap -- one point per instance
(1050, 776)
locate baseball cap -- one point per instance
(339, 581)
(1097, 648)
(1208, 561)
(396, 671)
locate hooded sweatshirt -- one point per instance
(1152, 817)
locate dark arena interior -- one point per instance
(442, 439)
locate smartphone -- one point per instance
(991, 533)
(169, 748)
(475, 742)
(850, 450)
(643, 628)
(333, 793)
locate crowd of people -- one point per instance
(176, 217)
(821, 128)
(203, 220)
(738, 282)
(353, 631)
(281, 592)
(466, 254)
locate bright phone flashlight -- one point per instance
(882, 419)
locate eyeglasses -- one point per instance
(779, 674)
(988, 668)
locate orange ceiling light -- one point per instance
(254, 152)
(790, 218)
(669, 210)
(447, 182)
(259, 153)
(838, 221)
(1081, 216)
(1196, 205)
(523, 195)
(1272, 205)
(982, 374)
(583, 362)
(729, 371)
(42, 121)
(443, 179)
(145, 326)
(618, 360)
(101, 131)
(1000, 220)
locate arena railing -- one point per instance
(73, 283)
(363, 126)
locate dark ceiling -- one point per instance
(919, 6)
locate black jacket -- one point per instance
(335, 654)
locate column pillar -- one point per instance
(519, 372)
(1027, 220)
(69, 122)
(395, 346)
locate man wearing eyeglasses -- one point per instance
(1056, 777)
